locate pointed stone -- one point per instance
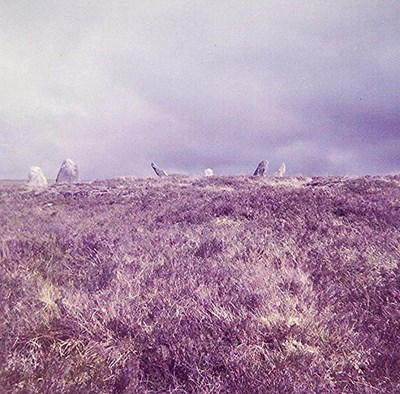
(36, 178)
(262, 168)
(68, 172)
(208, 172)
(281, 171)
(160, 172)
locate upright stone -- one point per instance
(36, 178)
(160, 172)
(68, 172)
(262, 168)
(208, 172)
(281, 171)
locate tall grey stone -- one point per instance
(208, 172)
(160, 172)
(36, 178)
(68, 172)
(281, 171)
(262, 168)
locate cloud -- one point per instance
(193, 85)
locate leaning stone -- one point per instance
(262, 168)
(68, 172)
(281, 171)
(208, 172)
(160, 172)
(36, 178)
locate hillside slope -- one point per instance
(201, 285)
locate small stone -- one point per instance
(68, 172)
(208, 172)
(262, 168)
(36, 178)
(281, 171)
(160, 172)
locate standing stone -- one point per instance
(281, 171)
(36, 178)
(262, 168)
(160, 172)
(208, 172)
(68, 172)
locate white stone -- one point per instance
(281, 171)
(208, 172)
(36, 178)
(68, 172)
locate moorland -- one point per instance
(201, 285)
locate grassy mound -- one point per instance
(201, 285)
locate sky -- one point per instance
(115, 85)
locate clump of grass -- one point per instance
(212, 285)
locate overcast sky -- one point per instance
(114, 85)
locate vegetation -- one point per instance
(201, 285)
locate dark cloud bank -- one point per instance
(116, 85)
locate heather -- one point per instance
(201, 285)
